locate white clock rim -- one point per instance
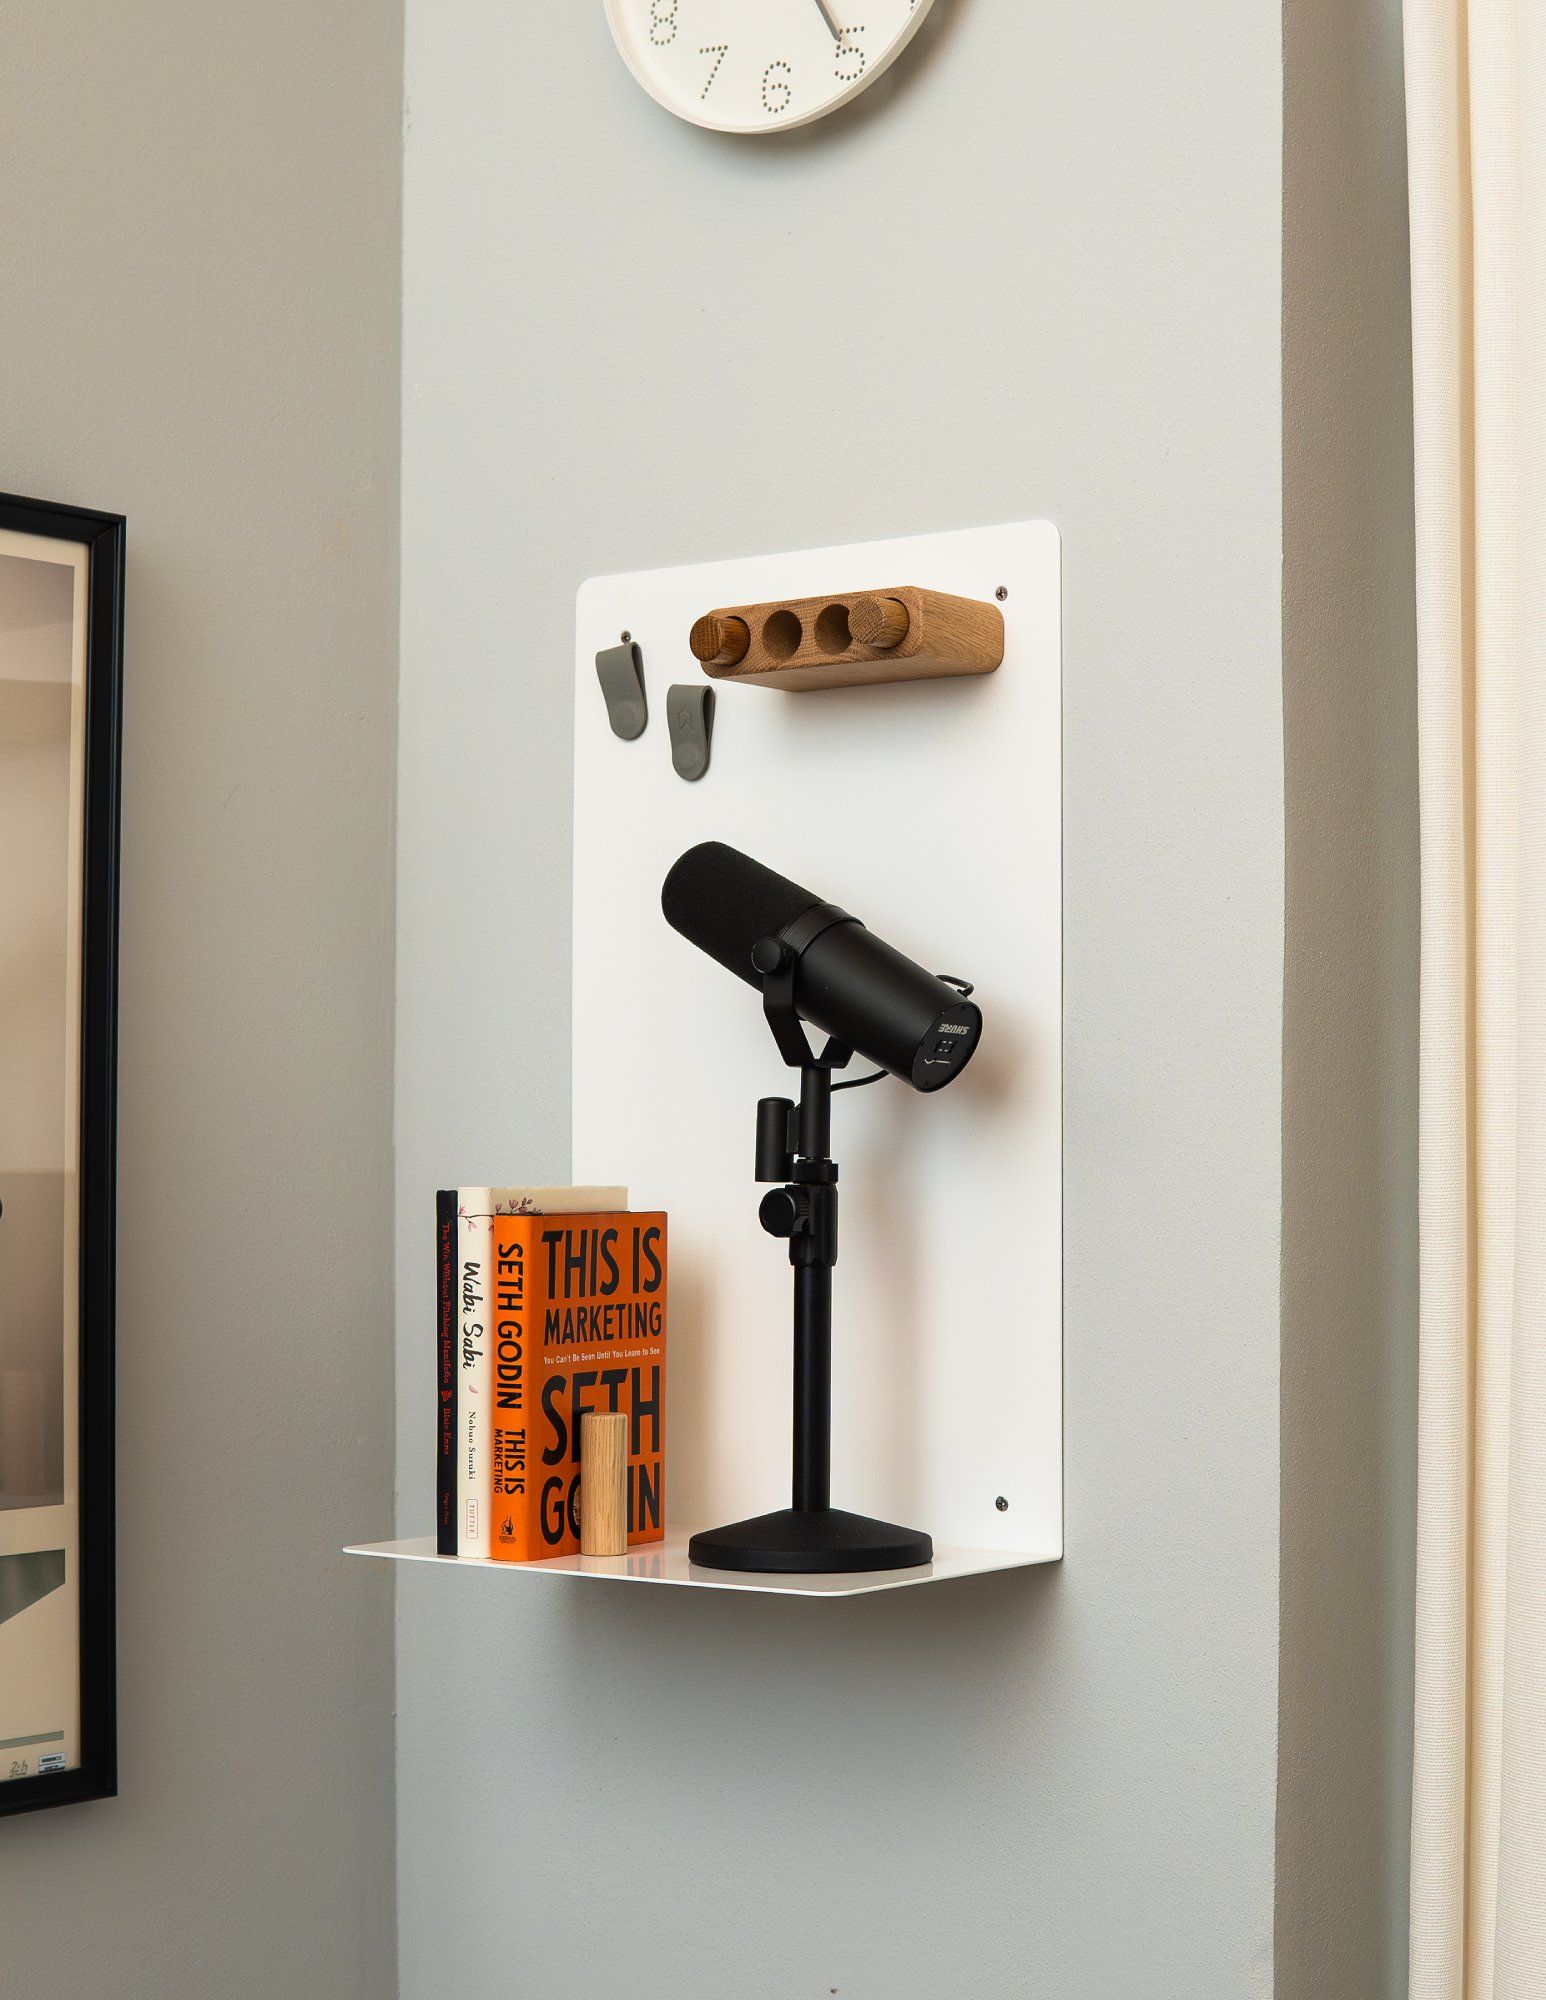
(872, 70)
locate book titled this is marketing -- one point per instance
(579, 1324)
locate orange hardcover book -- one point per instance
(579, 1324)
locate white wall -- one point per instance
(198, 326)
(630, 343)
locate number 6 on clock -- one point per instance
(760, 65)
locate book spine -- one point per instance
(474, 1237)
(445, 1385)
(515, 1326)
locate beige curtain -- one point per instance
(1476, 102)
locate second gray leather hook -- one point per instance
(620, 670)
(690, 719)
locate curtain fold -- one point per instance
(1476, 74)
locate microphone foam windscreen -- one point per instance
(724, 902)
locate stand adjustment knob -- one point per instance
(784, 1211)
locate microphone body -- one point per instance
(848, 983)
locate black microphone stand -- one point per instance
(794, 1147)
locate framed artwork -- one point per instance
(61, 667)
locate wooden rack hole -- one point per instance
(781, 635)
(832, 633)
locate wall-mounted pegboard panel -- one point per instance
(932, 810)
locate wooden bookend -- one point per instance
(603, 1483)
(807, 643)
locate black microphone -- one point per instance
(848, 983)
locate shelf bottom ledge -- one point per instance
(666, 1562)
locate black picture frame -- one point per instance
(103, 537)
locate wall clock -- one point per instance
(760, 65)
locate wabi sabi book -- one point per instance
(579, 1323)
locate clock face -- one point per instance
(760, 65)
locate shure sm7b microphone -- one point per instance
(848, 983)
(814, 964)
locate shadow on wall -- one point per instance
(1350, 1015)
(882, 1669)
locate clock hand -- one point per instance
(826, 15)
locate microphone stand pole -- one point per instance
(795, 1147)
(806, 1212)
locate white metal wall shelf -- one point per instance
(932, 809)
(666, 1562)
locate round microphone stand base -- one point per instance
(822, 1541)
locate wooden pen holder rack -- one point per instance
(803, 644)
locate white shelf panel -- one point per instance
(932, 810)
(666, 1562)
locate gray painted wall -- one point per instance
(198, 327)
(630, 343)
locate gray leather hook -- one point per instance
(620, 670)
(690, 718)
